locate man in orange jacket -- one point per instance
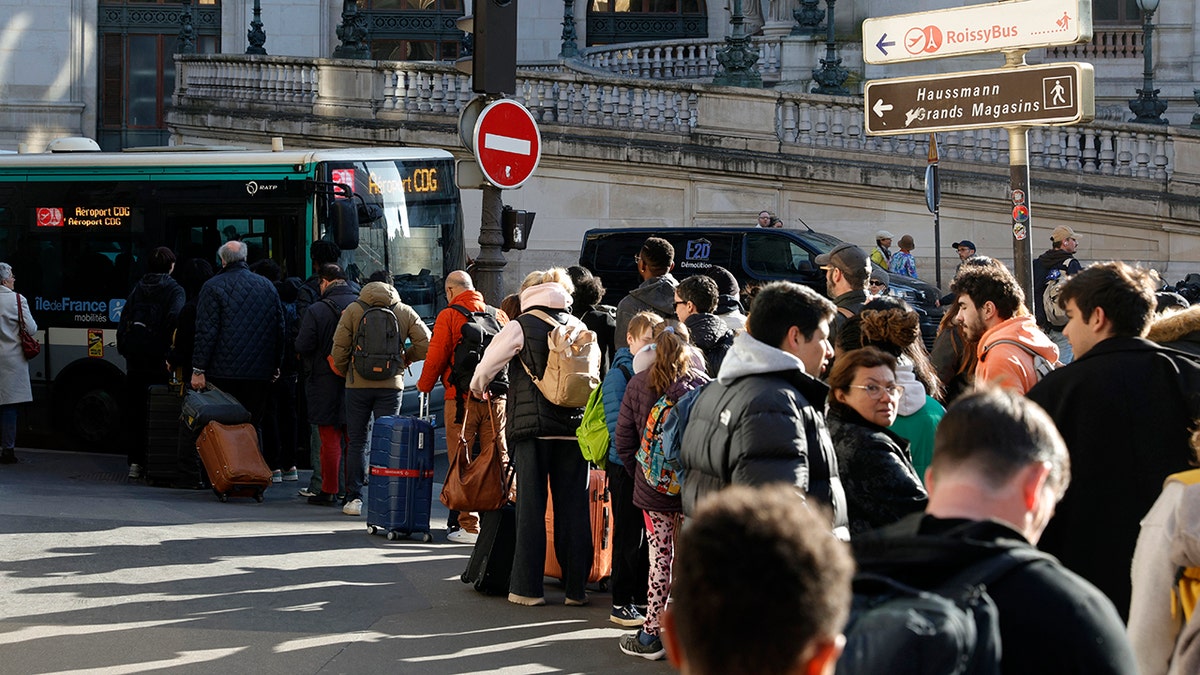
(453, 355)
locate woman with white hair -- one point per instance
(14, 369)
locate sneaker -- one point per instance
(291, 475)
(135, 471)
(353, 507)
(627, 616)
(462, 537)
(276, 476)
(525, 600)
(323, 499)
(305, 492)
(632, 645)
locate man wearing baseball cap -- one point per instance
(847, 269)
(966, 249)
(881, 256)
(1055, 264)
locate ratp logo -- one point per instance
(115, 307)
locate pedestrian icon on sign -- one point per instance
(1057, 92)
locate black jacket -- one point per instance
(239, 326)
(1055, 258)
(1125, 408)
(712, 336)
(530, 415)
(156, 289)
(1051, 620)
(602, 320)
(876, 469)
(325, 390)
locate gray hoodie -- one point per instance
(656, 295)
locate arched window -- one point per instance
(413, 30)
(617, 21)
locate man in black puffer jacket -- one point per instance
(695, 300)
(760, 421)
(239, 332)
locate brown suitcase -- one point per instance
(232, 459)
(600, 516)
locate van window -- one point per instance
(770, 255)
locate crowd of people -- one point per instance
(805, 437)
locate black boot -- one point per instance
(7, 456)
(323, 499)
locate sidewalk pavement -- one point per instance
(100, 574)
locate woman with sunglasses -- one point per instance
(875, 465)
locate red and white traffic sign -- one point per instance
(508, 145)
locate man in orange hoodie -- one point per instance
(991, 310)
(453, 362)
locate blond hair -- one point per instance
(553, 275)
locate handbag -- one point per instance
(29, 344)
(474, 483)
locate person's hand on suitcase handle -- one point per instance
(199, 382)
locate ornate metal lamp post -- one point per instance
(569, 48)
(738, 57)
(256, 36)
(353, 33)
(1147, 107)
(808, 17)
(831, 75)
(186, 42)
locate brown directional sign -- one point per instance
(1047, 95)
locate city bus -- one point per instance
(77, 228)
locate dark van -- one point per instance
(753, 255)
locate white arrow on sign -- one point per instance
(881, 107)
(976, 29)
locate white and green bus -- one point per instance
(77, 227)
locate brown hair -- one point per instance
(847, 366)
(1125, 292)
(642, 321)
(673, 357)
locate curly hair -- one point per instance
(891, 325)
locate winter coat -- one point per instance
(656, 294)
(601, 320)
(14, 369)
(310, 292)
(239, 326)
(714, 338)
(157, 289)
(530, 415)
(1008, 365)
(412, 329)
(946, 357)
(1169, 539)
(1051, 622)
(1055, 258)
(755, 424)
(613, 391)
(447, 333)
(876, 470)
(1124, 408)
(849, 304)
(325, 390)
(919, 415)
(1180, 330)
(631, 425)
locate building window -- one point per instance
(618, 21)
(413, 30)
(138, 39)
(1120, 12)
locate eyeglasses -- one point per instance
(876, 392)
(680, 302)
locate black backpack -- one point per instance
(953, 629)
(378, 345)
(141, 333)
(477, 333)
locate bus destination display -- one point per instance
(84, 216)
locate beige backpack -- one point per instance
(572, 362)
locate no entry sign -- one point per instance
(508, 145)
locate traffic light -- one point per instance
(493, 61)
(515, 225)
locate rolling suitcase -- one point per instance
(600, 518)
(233, 461)
(490, 566)
(169, 460)
(400, 480)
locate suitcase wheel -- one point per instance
(258, 496)
(371, 529)
(392, 535)
(221, 496)
(427, 538)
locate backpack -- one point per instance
(1186, 589)
(141, 333)
(1041, 365)
(650, 455)
(593, 429)
(898, 629)
(1055, 315)
(378, 353)
(672, 429)
(572, 362)
(475, 336)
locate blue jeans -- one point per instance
(1065, 355)
(8, 426)
(362, 405)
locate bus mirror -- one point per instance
(344, 216)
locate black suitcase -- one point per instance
(170, 458)
(491, 562)
(211, 405)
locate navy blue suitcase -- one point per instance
(400, 480)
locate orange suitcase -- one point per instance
(233, 461)
(600, 516)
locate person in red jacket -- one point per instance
(472, 419)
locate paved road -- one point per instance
(100, 574)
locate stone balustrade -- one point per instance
(678, 59)
(586, 104)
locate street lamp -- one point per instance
(570, 49)
(1147, 107)
(831, 76)
(256, 37)
(738, 56)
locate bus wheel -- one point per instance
(93, 413)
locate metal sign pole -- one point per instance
(1018, 171)
(933, 200)
(489, 266)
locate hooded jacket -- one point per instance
(616, 381)
(1054, 258)
(530, 415)
(757, 424)
(239, 326)
(1008, 365)
(712, 336)
(656, 294)
(325, 390)
(158, 289)
(917, 418)
(1180, 330)
(377, 294)
(447, 333)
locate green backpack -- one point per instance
(593, 430)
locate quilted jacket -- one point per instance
(239, 326)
